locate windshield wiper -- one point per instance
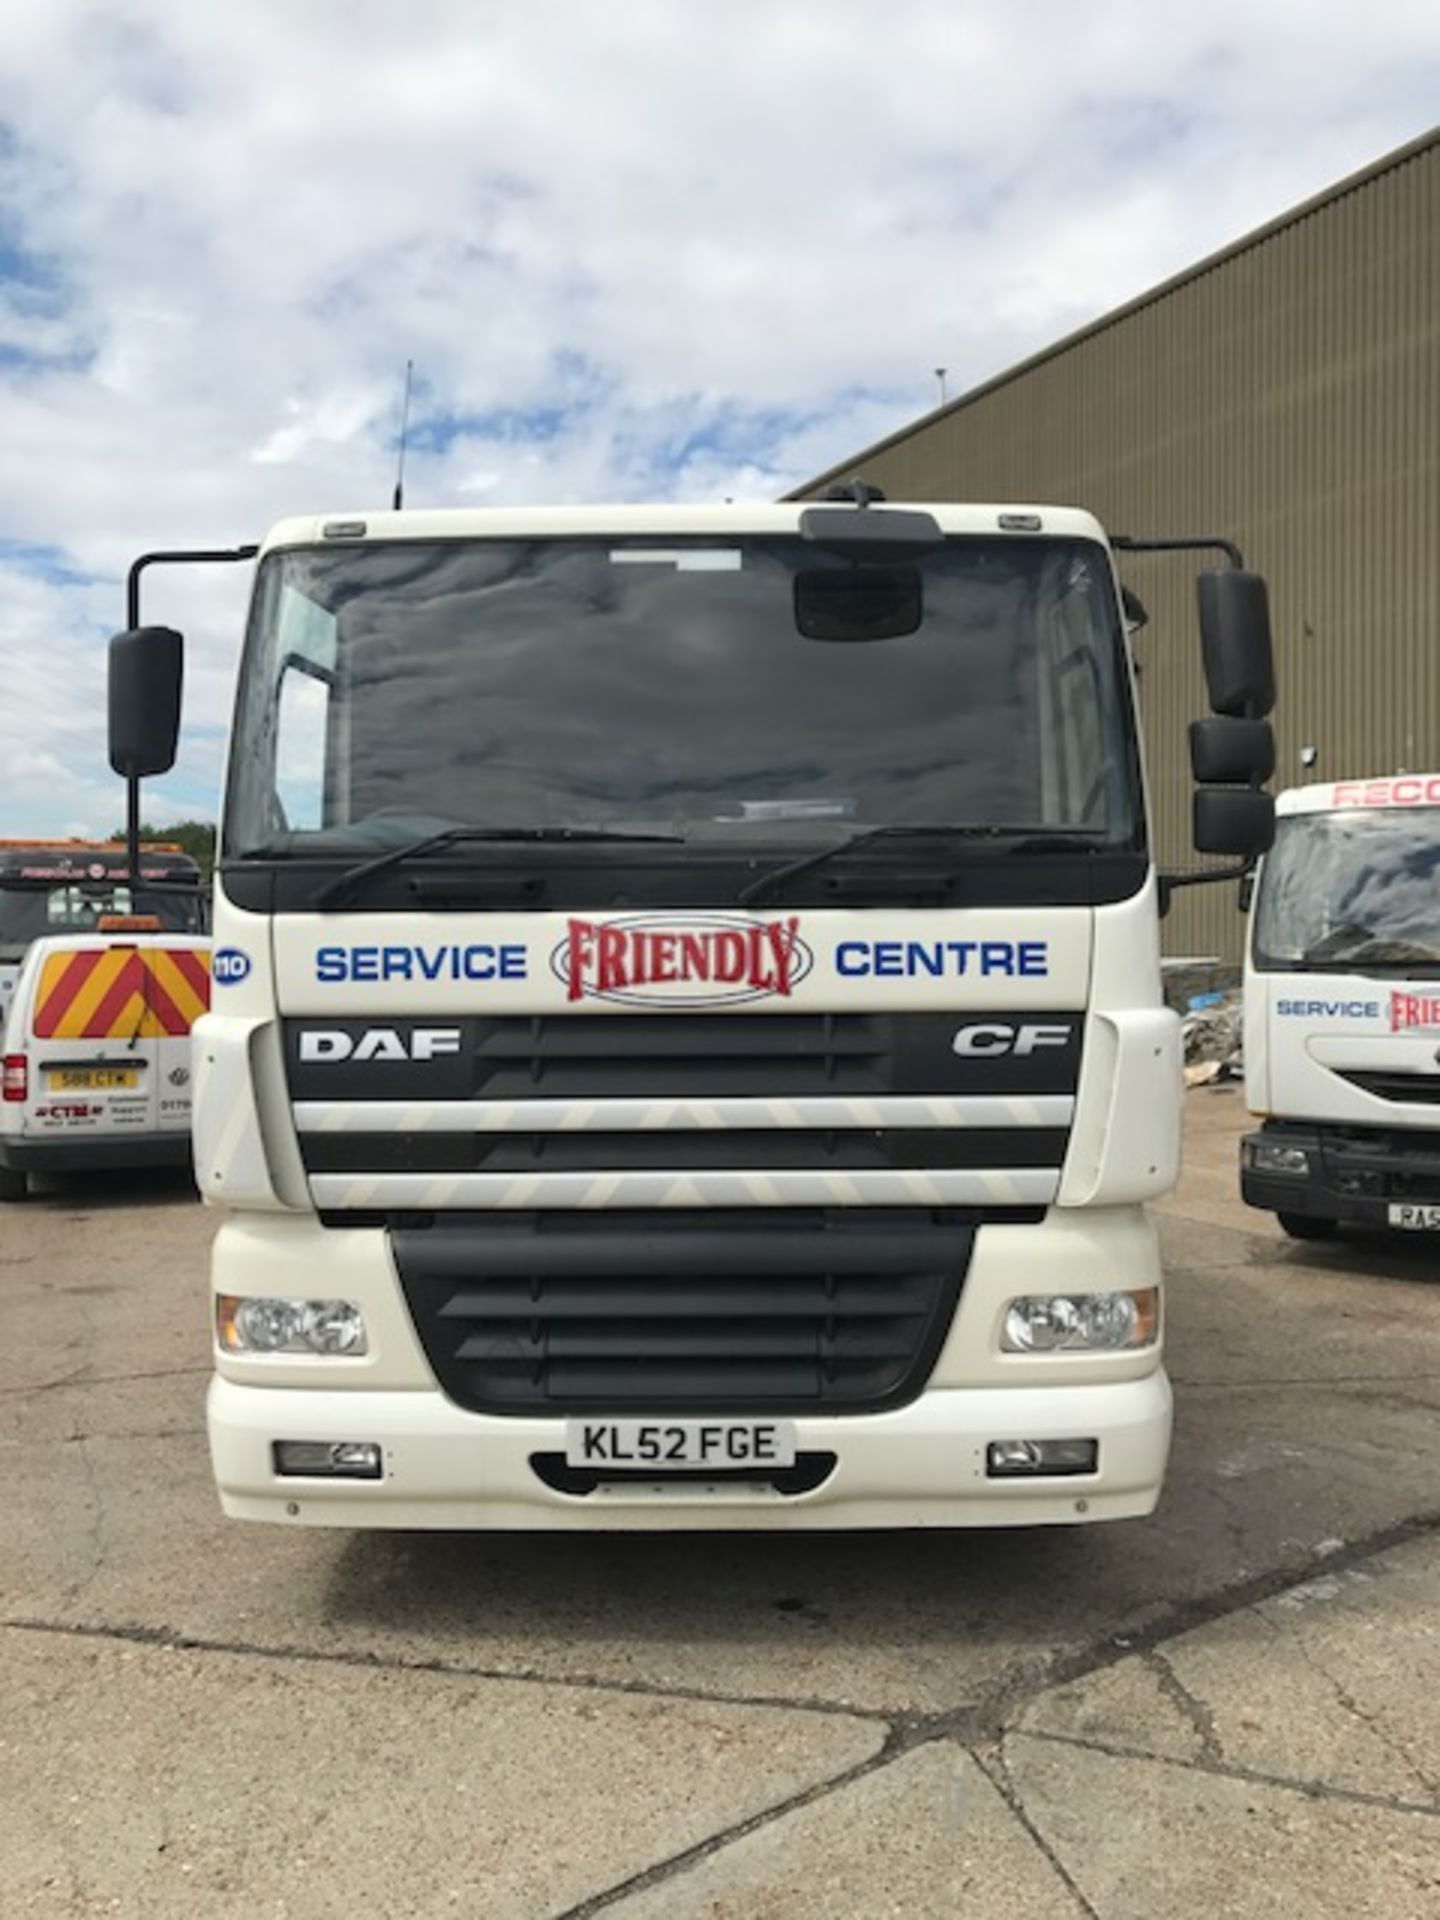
(346, 884)
(1361, 946)
(1015, 840)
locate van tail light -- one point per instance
(16, 1079)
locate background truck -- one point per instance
(102, 972)
(1342, 1009)
(688, 1046)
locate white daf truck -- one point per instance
(1342, 1010)
(687, 1045)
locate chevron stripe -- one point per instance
(762, 1187)
(644, 1116)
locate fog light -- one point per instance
(1017, 1459)
(1081, 1322)
(1273, 1156)
(259, 1324)
(329, 1459)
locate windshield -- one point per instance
(393, 690)
(29, 912)
(1352, 889)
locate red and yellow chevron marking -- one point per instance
(148, 993)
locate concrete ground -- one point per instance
(1226, 1710)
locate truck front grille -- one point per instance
(588, 1112)
(774, 1311)
(1416, 1089)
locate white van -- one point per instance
(95, 1024)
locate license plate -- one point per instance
(92, 1079)
(698, 1445)
(1416, 1219)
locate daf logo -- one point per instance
(325, 1045)
(986, 1038)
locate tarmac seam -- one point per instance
(680, 1863)
(1193, 1709)
(169, 1641)
(1230, 1770)
(983, 1720)
(995, 1769)
(1173, 1622)
(1297, 1643)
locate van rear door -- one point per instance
(104, 1024)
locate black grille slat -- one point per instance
(1420, 1089)
(662, 1036)
(837, 1150)
(774, 1312)
(582, 1302)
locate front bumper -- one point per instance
(921, 1465)
(1353, 1174)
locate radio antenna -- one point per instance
(399, 500)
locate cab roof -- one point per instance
(361, 527)
(1380, 790)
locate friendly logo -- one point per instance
(1411, 1010)
(229, 966)
(695, 960)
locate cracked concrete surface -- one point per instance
(1226, 1710)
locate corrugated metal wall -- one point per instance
(1288, 396)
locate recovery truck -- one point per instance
(103, 968)
(687, 1045)
(1342, 1010)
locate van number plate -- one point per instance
(696, 1444)
(92, 1079)
(1417, 1219)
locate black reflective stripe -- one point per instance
(696, 1056)
(788, 1148)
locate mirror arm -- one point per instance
(175, 557)
(1169, 883)
(1127, 543)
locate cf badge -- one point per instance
(985, 1038)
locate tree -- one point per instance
(195, 837)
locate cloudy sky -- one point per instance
(656, 248)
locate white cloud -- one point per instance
(650, 249)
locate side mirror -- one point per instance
(1234, 820)
(1235, 639)
(1226, 752)
(146, 671)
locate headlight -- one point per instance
(1081, 1322)
(264, 1325)
(1274, 1156)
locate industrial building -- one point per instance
(1284, 392)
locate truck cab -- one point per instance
(687, 1045)
(1342, 1010)
(102, 971)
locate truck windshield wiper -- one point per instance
(1359, 946)
(1014, 840)
(345, 885)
